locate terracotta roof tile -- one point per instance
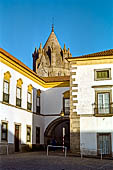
(98, 54)
(56, 79)
(18, 62)
(45, 79)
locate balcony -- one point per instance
(103, 110)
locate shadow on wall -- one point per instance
(55, 128)
(59, 130)
(91, 143)
(50, 109)
(36, 127)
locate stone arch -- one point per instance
(54, 130)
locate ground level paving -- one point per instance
(40, 161)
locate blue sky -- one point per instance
(85, 26)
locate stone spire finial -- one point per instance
(35, 50)
(64, 47)
(40, 46)
(52, 27)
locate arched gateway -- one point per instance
(55, 131)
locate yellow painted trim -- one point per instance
(12, 64)
(66, 94)
(19, 83)
(30, 87)
(38, 92)
(91, 60)
(7, 76)
(102, 86)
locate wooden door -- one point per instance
(16, 138)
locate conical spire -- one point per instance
(52, 39)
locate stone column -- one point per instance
(74, 118)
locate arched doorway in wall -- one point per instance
(55, 131)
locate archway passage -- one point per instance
(55, 131)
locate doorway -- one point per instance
(59, 129)
(17, 137)
(104, 143)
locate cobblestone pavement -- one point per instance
(39, 161)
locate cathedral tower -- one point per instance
(50, 60)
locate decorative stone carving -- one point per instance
(30, 87)
(38, 92)
(19, 82)
(67, 94)
(7, 76)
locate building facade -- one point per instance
(50, 60)
(30, 107)
(91, 103)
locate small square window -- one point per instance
(103, 74)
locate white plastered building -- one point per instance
(91, 102)
(30, 107)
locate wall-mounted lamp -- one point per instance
(62, 113)
(93, 105)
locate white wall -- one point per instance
(90, 126)
(52, 100)
(85, 81)
(13, 115)
(13, 82)
(38, 121)
(51, 103)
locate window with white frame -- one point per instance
(4, 131)
(29, 101)
(18, 96)
(6, 92)
(28, 134)
(38, 104)
(103, 102)
(66, 105)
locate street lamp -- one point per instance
(62, 113)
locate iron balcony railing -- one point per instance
(103, 110)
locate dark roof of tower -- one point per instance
(52, 41)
